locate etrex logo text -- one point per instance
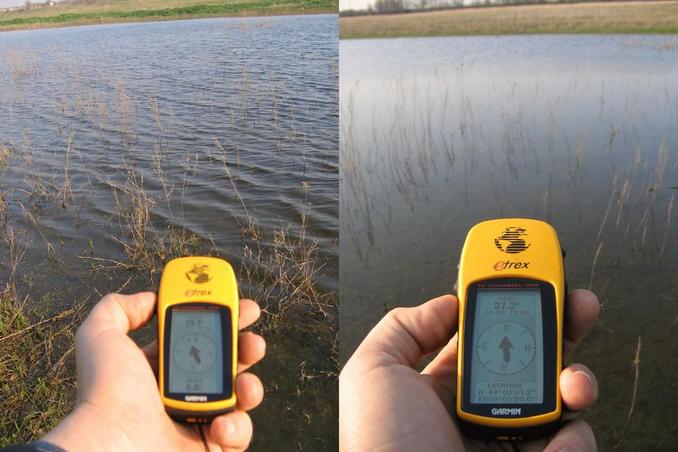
(506, 411)
(508, 265)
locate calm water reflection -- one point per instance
(438, 134)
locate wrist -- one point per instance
(86, 429)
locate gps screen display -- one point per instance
(507, 365)
(195, 360)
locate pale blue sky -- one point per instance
(8, 3)
(350, 4)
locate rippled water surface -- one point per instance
(124, 145)
(438, 134)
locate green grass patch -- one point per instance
(255, 7)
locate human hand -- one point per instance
(387, 405)
(118, 405)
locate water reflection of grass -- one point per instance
(145, 196)
(425, 140)
(141, 11)
(608, 17)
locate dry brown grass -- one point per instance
(281, 269)
(604, 17)
(36, 355)
(5, 154)
(4, 210)
(284, 279)
(14, 254)
(147, 246)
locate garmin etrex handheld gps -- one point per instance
(197, 338)
(511, 289)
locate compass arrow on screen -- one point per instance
(506, 347)
(195, 353)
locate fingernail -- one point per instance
(588, 377)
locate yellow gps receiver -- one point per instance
(511, 289)
(197, 338)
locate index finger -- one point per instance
(249, 313)
(581, 312)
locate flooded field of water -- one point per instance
(122, 146)
(437, 134)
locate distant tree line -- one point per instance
(406, 6)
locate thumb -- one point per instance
(103, 351)
(404, 335)
(119, 312)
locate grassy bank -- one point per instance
(603, 18)
(37, 356)
(102, 11)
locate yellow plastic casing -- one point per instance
(198, 280)
(487, 254)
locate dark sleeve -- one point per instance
(35, 446)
